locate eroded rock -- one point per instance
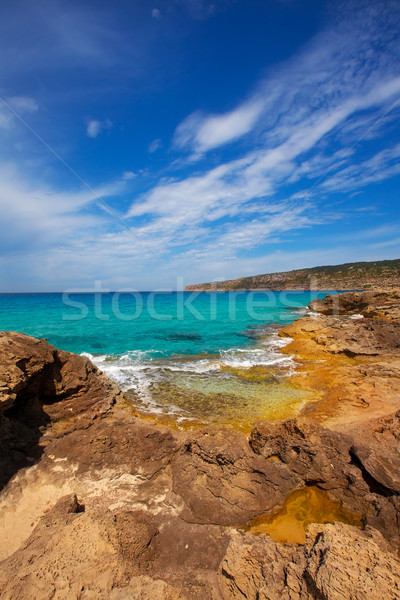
(79, 555)
(43, 388)
(256, 568)
(222, 481)
(317, 454)
(338, 562)
(149, 511)
(344, 562)
(329, 460)
(382, 304)
(351, 337)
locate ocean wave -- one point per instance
(127, 370)
(242, 359)
(141, 373)
(265, 355)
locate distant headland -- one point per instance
(345, 277)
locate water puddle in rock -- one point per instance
(223, 399)
(301, 508)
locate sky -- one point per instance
(149, 145)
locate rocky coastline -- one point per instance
(345, 277)
(99, 503)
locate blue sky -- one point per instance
(154, 144)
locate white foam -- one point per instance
(302, 311)
(193, 366)
(128, 370)
(139, 371)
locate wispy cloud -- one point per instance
(381, 166)
(94, 127)
(201, 133)
(20, 104)
(156, 13)
(155, 145)
(127, 175)
(257, 175)
(291, 152)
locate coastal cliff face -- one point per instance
(350, 276)
(98, 503)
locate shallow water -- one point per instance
(184, 358)
(301, 508)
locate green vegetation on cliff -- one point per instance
(349, 276)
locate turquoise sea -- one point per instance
(182, 357)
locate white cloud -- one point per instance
(289, 130)
(204, 204)
(353, 62)
(94, 127)
(23, 104)
(127, 175)
(35, 214)
(156, 13)
(155, 145)
(15, 105)
(202, 133)
(381, 166)
(294, 116)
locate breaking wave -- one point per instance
(142, 372)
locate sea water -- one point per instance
(183, 358)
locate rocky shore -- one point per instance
(99, 503)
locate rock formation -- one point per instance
(377, 304)
(256, 568)
(99, 503)
(222, 481)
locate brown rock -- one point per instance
(317, 454)
(344, 562)
(256, 568)
(79, 555)
(338, 562)
(329, 460)
(382, 304)
(34, 374)
(382, 469)
(222, 481)
(352, 337)
(384, 515)
(146, 588)
(123, 554)
(154, 504)
(189, 555)
(42, 389)
(135, 446)
(376, 446)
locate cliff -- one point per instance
(349, 276)
(99, 503)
